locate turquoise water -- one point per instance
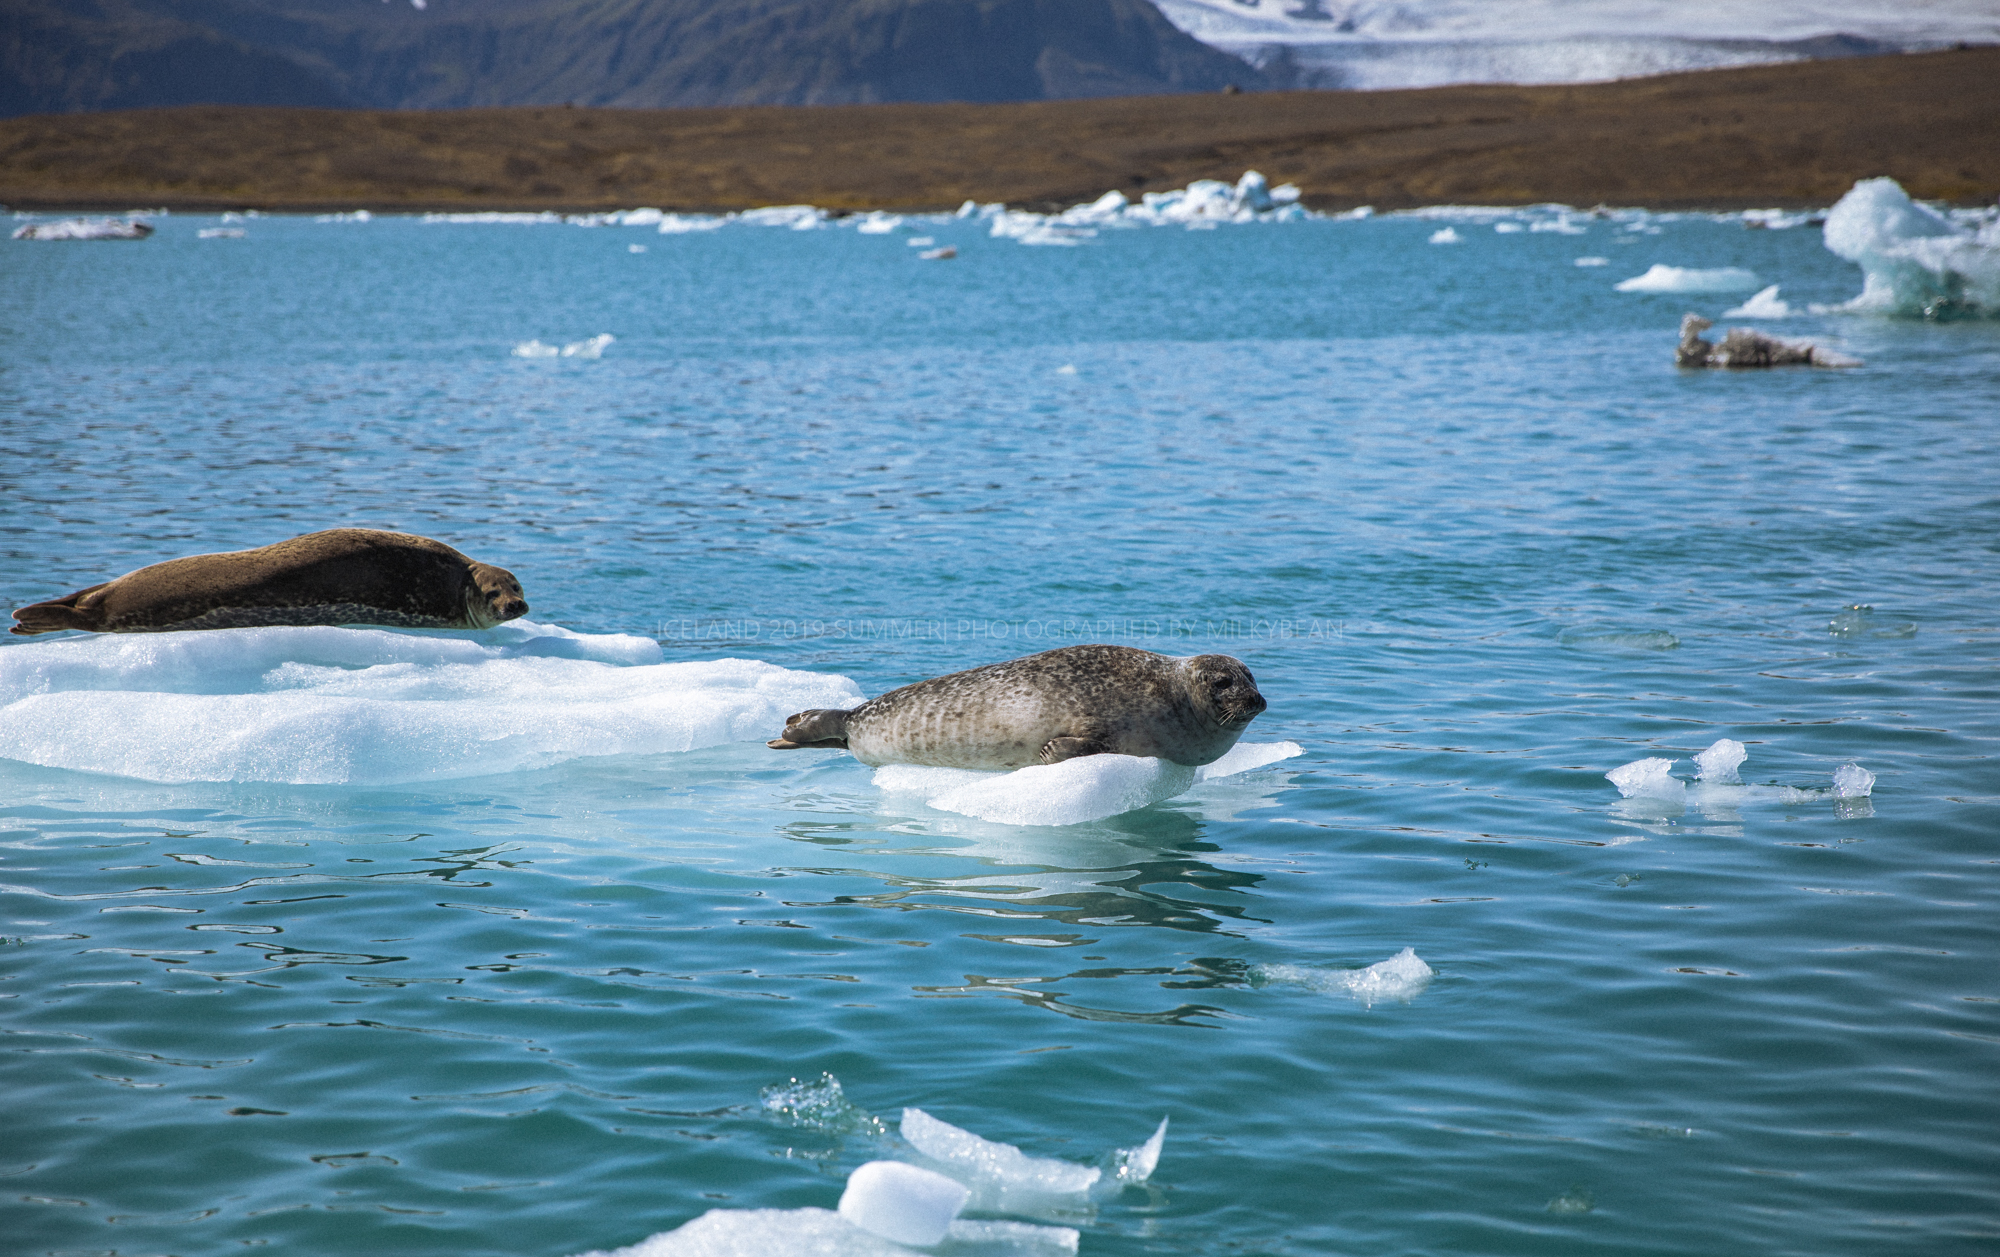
(1478, 539)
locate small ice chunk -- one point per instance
(1765, 305)
(536, 349)
(1593, 262)
(1661, 278)
(1401, 977)
(1445, 235)
(1852, 781)
(1136, 1165)
(1717, 764)
(1508, 229)
(1648, 779)
(905, 1203)
(1003, 1179)
(635, 248)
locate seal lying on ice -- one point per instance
(1743, 347)
(1046, 708)
(341, 576)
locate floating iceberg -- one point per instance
(1072, 792)
(371, 706)
(1914, 260)
(86, 229)
(824, 1233)
(1765, 305)
(1402, 977)
(1662, 278)
(1445, 235)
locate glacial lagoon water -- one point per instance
(521, 942)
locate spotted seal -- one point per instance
(340, 576)
(1746, 347)
(1046, 708)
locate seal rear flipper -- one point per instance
(1056, 750)
(58, 614)
(822, 726)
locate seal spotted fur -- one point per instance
(1046, 708)
(341, 576)
(1746, 347)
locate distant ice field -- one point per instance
(1380, 44)
(1612, 871)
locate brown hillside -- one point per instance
(1776, 135)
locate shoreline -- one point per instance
(1788, 136)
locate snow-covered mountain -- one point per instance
(1366, 44)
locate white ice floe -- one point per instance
(1000, 1177)
(221, 233)
(1765, 305)
(1592, 262)
(1663, 278)
(592, 348)
(370, 706)
(1402, 977)
(1003, 1179)
(86, 229)
(877, 223)
(902, 1202)
(1914, 259)
(353, 216)
(1445, 235)
(1072, 792)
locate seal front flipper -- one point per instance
(58, 614)
(822, 726)
(1056, 750)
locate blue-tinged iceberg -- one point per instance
(1914, 259)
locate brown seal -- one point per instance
(341, 576)
(1046, 708)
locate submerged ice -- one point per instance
(373, 706)
(1402, 977)
(1072, 792)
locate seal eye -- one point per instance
(1223, 683)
